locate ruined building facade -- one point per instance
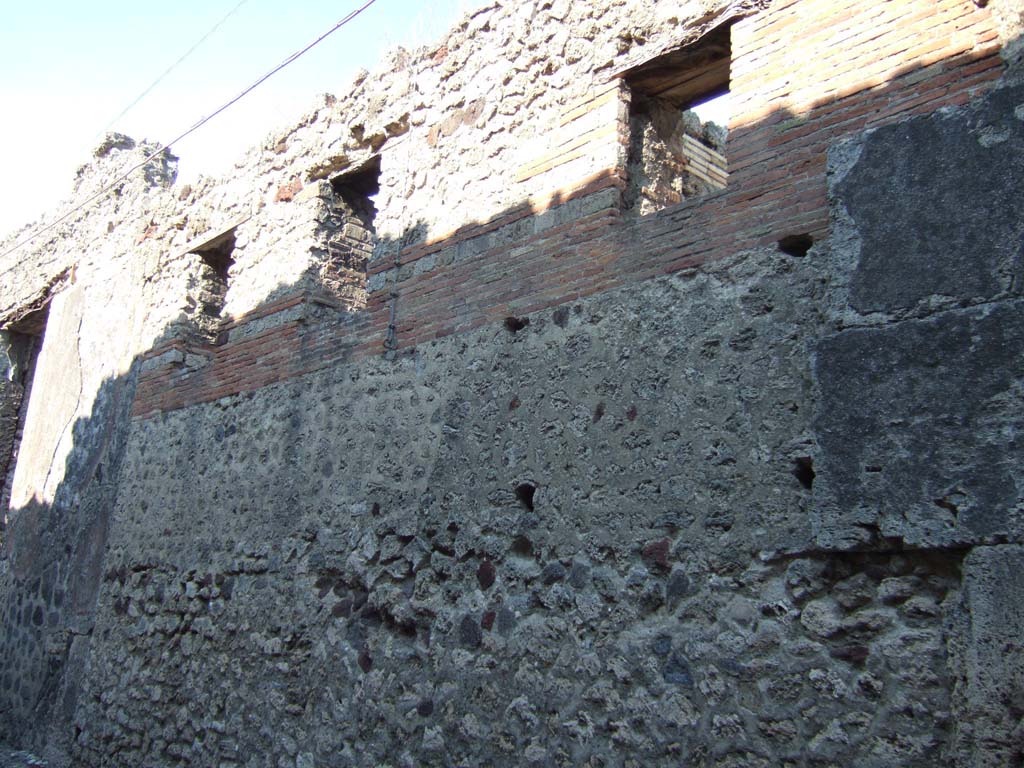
(503, 412)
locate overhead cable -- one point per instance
(106, 190)
(171, 68)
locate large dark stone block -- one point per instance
(919, 426)
(938, 205)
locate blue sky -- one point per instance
(67, 68)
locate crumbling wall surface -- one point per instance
(93, 236)
(546, 544)
(464, 135)
(660, 162)
(478, 124)
(726, 485)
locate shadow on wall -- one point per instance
(56, 577)
(776, 194)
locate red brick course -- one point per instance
(804, 75)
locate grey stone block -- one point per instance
(990, 689)
(918, 426)
(938, 204)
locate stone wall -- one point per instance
(673, 157)
(732, 483)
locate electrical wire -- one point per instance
(171, 68)
(199, 124)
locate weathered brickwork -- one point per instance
(776, 188)
(478, 419)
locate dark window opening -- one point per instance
(20, 343)
(678, 124)
(207, 298)
(217, 255)
(349, 234)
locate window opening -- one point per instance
(350, 233)
(20, 343)
(717, 110)
(679, 113)
(209, 293)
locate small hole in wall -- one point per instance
(365, 661)
(525, 492)
(796, 245)
(803, 470)
(522, 546)
(516, 324)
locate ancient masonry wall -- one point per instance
(417, 441)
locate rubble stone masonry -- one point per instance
(473, 421)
